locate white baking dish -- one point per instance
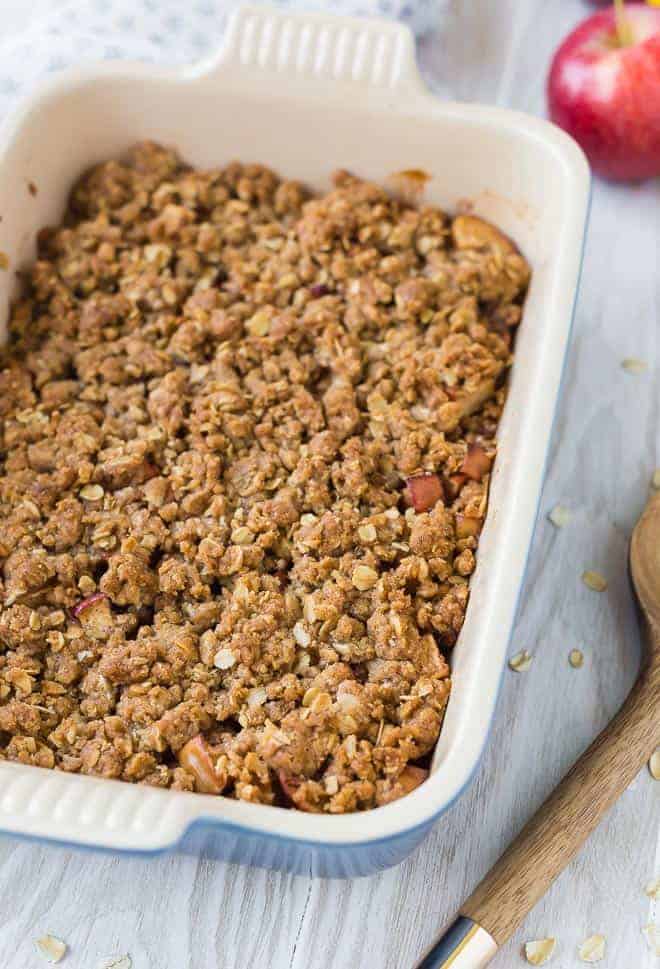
(307, 94)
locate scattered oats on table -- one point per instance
(592, 949)
(576, 658)
(51, 948)
(594, 581)
(117, 962)
(560, 516)
(651, 933)
(634, 366)
(652, 889)
(219, 393)
(540, 951)
(521, 662)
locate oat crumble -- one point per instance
(247, 435)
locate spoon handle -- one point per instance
(553, 836)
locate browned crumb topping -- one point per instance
(219, 394)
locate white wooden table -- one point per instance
(180, 913)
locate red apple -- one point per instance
(604, 90)
(423, 491)
(476, 462)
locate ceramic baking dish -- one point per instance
(307, 94)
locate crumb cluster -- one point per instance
(246, 440)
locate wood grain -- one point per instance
(182, 913)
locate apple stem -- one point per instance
(624, 35)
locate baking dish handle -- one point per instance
(100, 813)
(318, 53)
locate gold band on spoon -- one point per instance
(465, 945)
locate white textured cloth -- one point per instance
(159, 31)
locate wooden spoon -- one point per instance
(559, 828)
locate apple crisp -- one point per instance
(247, 436)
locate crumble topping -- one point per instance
(246, 439)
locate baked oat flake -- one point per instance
(247, 436)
